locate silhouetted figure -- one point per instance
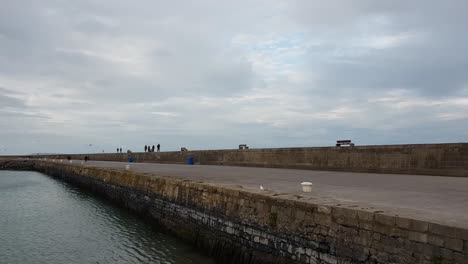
(146, 148)
(68, 158)
(117, 150)
(149, 148)
(152, 148)
(86, 158)
(120, 150)
(159, 147)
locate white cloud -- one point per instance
(389, 41)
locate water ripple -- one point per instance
(43, 220)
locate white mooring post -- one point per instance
(306, 186)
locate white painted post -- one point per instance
(306, 186)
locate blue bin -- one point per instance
(130, 159)
(190, 160)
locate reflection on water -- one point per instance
(43, 220)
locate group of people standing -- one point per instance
(149, 148)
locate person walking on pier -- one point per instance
(159, 147)
(152, 148)
(146, 148)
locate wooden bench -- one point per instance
(243, 146)
(348, 142)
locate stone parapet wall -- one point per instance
(238, 226)
(425, 159)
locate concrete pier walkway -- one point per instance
(431, 198)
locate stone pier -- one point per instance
(237, 224)
(448, 159)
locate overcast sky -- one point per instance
(214, 74)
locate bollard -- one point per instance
(190, 160)
(306, 186)
(127, 167)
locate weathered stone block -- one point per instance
(300, 215)
(459, 258)
(364, 215)
(352, 222)
(366, 225)
(435, 240)
(322, 219)
(344, 212)
(462, 233)
(314, 260)
(419, 226)
(324, 209)
(465, 259)
(299, 250)
(304, 259)
(442, 230)
(264, 241)
(259, 207)
(328, 259)
(285, 211)
(389, 231)
(446, 253)
(323, 230)
(347, 231)
(403, 222)
(241, 202)
(454, 244)
(364, 238)
(385, 219)
(376, 236)
(424, 249)
(418, 237)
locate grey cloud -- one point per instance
(432, 62)
(222, 72)
(7, 100)
(189, 63)
(10, 115)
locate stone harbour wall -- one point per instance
(239, 226)
(425, 159)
